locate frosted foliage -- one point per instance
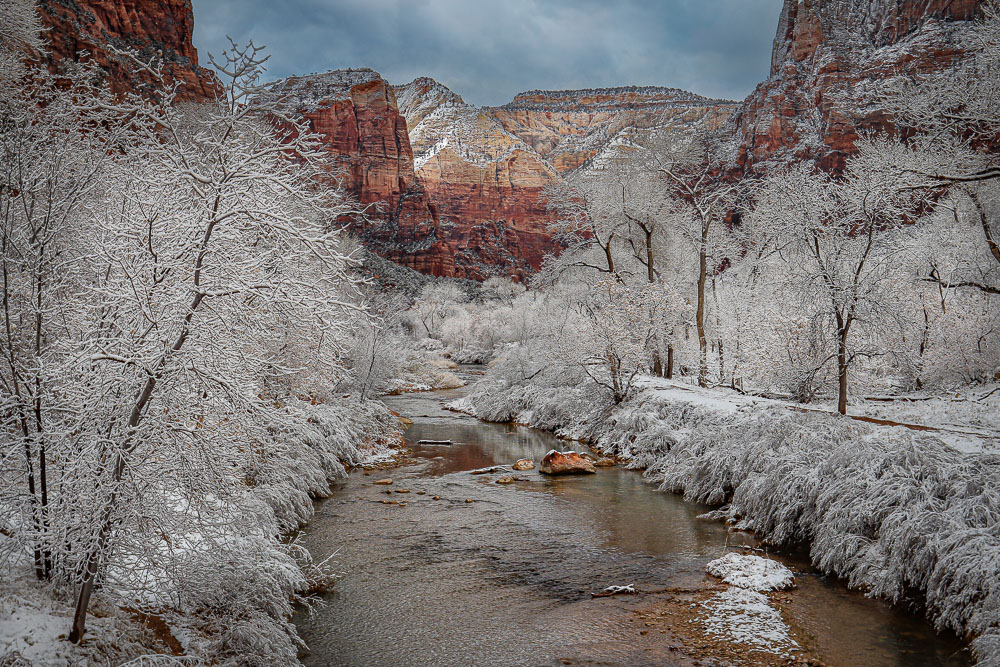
(20, 27)
(176, 311)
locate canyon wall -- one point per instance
(150, 28)
(456, 190)
(486, 169)
(356, 114)
(830, 61)
(451, 189)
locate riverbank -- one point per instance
(248, 621)
(893, 511)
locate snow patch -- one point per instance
(746, 617)
(751, 572)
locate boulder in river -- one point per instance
(506, 479)
(523, 464)
(565, 463)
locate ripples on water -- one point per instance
(506, 580)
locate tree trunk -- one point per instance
(90, 574)
(615, 378)
(722, 364)
(128, 444)
(670, 363)
(842, 373)
(700, 316)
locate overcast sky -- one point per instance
(489, 51)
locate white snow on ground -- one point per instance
(747, 617)
(966, 420)
(751, 572)
(34, 624)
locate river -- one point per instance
(506, 579)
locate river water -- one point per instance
(506, 579)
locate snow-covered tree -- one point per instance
(688, 165)
(948, 149)
(840, 253)
(589, 225)
(617, 338)
(434, 303)
(58, 143)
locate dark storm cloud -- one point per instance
(489, 51)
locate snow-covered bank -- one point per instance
(251, 577)
(892, 510)
(432, 373)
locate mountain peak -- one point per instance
(313, 90)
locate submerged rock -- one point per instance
(382, 481)
(615, 590)
(506, 479)
(565, 463)
(486, 471)
(523, 464)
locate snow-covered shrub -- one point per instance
(886, 510)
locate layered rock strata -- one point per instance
(160, 29)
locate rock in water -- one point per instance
(523, 464)
(506, 479)
(383, 481)
(565, 463)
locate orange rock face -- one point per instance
(565, 463)
(830, 59)
(355, 112)
(165, 26)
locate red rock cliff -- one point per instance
(164, 26)
(829, 59)
(356, 113)
(485, 169)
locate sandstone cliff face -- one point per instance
(569, 127)
(485, 182)
(485, 169)
(164, 26)
(356, 113)
(829, 59)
